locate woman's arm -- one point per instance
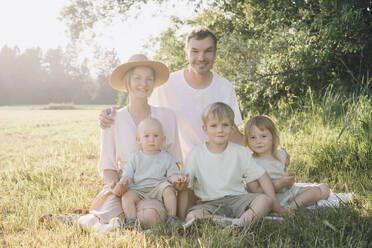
(111, 176)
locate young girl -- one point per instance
(263, 140)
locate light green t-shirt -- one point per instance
(149, 170)
(213, 176)
(274, 168)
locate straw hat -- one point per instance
(161, 71)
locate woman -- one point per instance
(138, 77)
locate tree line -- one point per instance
(54, 76)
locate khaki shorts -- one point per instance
(152, 192)
(111, 207)
(232, 206)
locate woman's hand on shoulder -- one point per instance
(106, 117)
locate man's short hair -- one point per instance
(218, 110)
(201, 33)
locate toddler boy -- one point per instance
(149, 174)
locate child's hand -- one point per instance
(286, 180)
(180, 182)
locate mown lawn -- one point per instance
(48, 164)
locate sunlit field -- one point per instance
(48, 164)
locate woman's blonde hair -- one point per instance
(128, 75)
(264, 122)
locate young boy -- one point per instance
(149, 174)
(216, 169)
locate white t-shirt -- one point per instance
(188, 104)
(149, 170)
(119, 141)
(213, 176)
(274, 168)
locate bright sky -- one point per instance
(34, 23)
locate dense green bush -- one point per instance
(275, 51)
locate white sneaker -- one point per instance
(87, 221)
(115, 223)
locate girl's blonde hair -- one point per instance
(264, 122)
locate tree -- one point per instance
(107, 60)
(8, 58)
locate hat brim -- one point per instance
(117, 76)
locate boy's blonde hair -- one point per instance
(264, 122)
(218, 110)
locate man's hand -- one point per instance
(106, 117)
(120, 187)
(179, 182)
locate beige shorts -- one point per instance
(152, 192)
(111, 207)
(232, 206)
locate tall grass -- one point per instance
(330, 140)
(48, 164)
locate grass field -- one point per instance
(48, 164)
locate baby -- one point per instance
(149, 174)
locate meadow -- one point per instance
(48, 164)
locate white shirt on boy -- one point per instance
(215, 175)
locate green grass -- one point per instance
(48, 164)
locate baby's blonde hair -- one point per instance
(149, 121)
(218, 110)
(263, 122)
